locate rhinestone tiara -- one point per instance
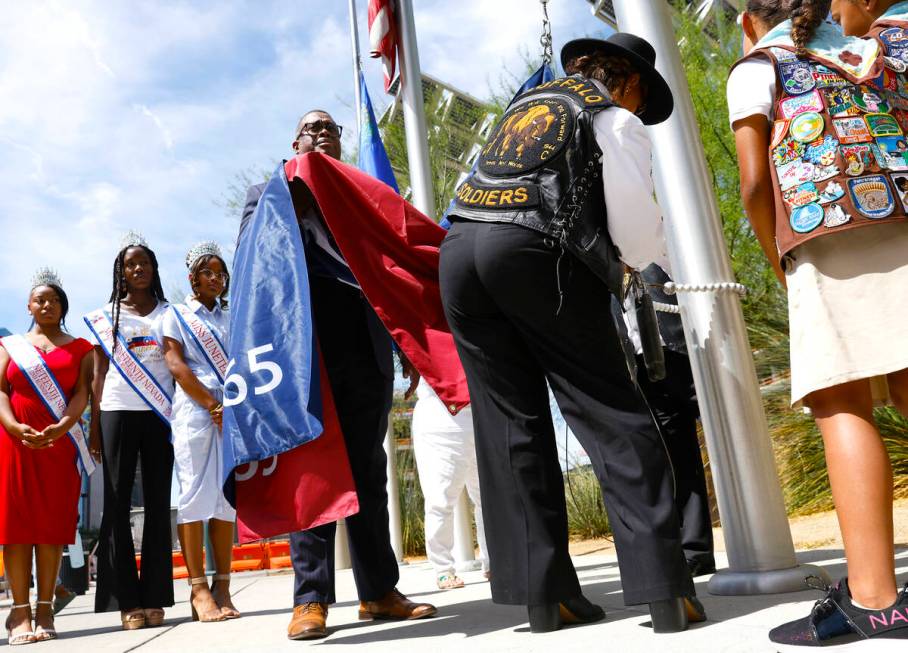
(133, 239)
(45, 277)
(205, 248)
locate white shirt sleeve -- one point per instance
(751, 90)
(634, 217)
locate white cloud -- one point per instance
(122, 116)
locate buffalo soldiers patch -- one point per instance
(527, 136)
(585, 91)
(507, 196)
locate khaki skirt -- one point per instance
(848, 309)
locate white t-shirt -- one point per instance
(751, 90)
(635, 219)
(140, 333)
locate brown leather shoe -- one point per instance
(308, 621)
(395, 605)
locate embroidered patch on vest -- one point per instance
(882, 124)
(788, 150)
(527, 136)
(870, 100)
(779, 129)
(895, 64)
(803, 194)
(851, 130)
(828, 78)
(794, 106)
(585, 91)
(839, 102)
(895, 40)
(871, 196)
(893, 152)
(797, 77)
(835, 216)
(807, 127)
(822, 152)
(832, 192)
(794, 173)
(901, 189)
(858, 158)
(806, 218)
(507, 196)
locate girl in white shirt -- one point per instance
(849, 338)
(124, 430)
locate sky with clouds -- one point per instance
(118, 116)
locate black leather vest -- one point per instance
(541, 168)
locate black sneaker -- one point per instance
(836, 621)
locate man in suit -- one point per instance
(673, 401)
(357, 352)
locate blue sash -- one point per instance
(205, 339)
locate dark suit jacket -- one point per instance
(381, 339)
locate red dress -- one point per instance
(39, 488)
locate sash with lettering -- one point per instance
(204, 337)
(129, 367)
(46, 386)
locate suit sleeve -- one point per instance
(253, 195)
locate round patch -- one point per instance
(806, 127)
(527, 136)
(806, 218)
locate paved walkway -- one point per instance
(468, 622)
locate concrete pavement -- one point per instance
(467, 621)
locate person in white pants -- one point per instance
(446, 460)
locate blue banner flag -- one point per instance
(272, 392)
(543, 74)
(373, 159)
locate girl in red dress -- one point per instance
(39, 476)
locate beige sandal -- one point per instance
(227, 609)
(211, 615)
(449, 582)
(154, 617)
(21, 638)
(133, 619)
(43, 634)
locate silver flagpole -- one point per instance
(414, 111)
(758, 540)
(357, 66)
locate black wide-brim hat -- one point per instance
(642, 56)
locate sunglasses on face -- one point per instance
(315, 128)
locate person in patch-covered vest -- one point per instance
(819, 122)
(560, 202)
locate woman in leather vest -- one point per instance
(817, 130)
(529, 311)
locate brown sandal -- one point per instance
(209, 616)
(154, 617)
(227, 608)
(133, 619)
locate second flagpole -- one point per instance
(357, 66)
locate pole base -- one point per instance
(776, 581)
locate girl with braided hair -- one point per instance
(812, 213)
(127, 426)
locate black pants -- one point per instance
(362, 395)
(501, 294)
(674, 403)
(127, 437)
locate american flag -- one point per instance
(383, 37)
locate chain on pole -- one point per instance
(546, 39)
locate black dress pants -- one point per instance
(674, 403)
(362, 395)
(500, 289)
(127, 437)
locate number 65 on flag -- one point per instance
(255, 365)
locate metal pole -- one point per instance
(464, 553)
(357, 65)
(397, 540)
(758, 540)
(414, 110)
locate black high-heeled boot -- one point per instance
(544, 618)
(668, 616)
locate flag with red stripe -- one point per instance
(383, 37)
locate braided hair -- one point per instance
(119, 285)
(201, 263)
(806, 16)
